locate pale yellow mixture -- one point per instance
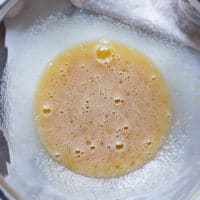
(102, 109)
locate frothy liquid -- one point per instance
(102, 109)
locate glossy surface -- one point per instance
(102, 109)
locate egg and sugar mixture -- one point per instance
(102, 109)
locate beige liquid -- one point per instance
(102, 109)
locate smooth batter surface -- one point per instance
(102, 109)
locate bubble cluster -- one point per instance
(118, 100)
(105, 110)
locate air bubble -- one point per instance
(92, 79)
(77, 152)
(128, 77)
(118, 101)
(119, 146)
(92, 147)
(153, 77)
(117, 167)
(149, 143)
(56, 155)
(124, 69)
(87, 142)
(132, 163)
(46, 110)
(103, 52)
(169, 115)
(83, 66)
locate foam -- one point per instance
(80, 108)
(25, 66)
